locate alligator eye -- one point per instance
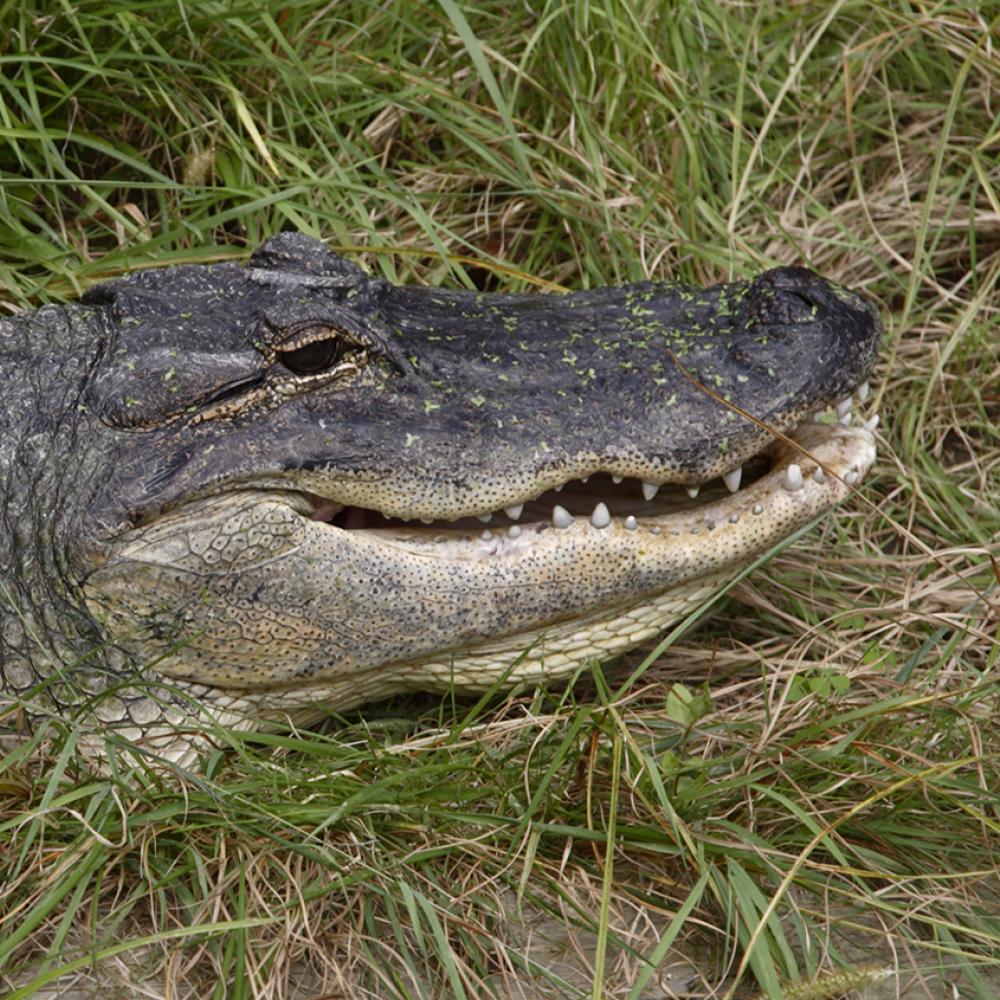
(312, 358)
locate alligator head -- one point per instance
(292, 484)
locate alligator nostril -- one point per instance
(788, 308)
(789, 296)
(797, 307)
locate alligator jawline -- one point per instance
(820, 458)
(578, 497)
(623, 498)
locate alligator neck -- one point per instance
(44, 628)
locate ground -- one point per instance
(798, 786)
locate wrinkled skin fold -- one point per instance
(233, 492)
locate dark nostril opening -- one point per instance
(789, 308)
(789, 296)
(796, 307)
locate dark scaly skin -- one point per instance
(166, 459)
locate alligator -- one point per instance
(234, 493)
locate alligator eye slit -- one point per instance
(233, 391)
(311, 359)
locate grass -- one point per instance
(800, 796)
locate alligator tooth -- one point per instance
(585, 478)
(844, 406)
(863, 391)
(793, 477)
(486, 535)
(558, 489)
(819, 476)
(871, 423)
(514, 511)
(427, 520)
(561, 517)
(692, 491)
(758, 508)
(819, 415)
(649, 490)
(630, 523)
(845, 420)
(733, 518)
(616, 479)
(851, 477)
(601, 518)
(485, 518)
(732, 479)
(514, 531)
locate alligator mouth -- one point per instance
(823, 452)
(290, 598)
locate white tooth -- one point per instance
(486, 535)
(845, 420)
(819, 415)
(733, 518)
(871, 423)
(585, 478)
(514, 531)
(649, 490)
(851, 476)
(630, 523)
(561, 517)
(427, 520)
(863, 391)
(692, 491)
(758, 508)
(616, 479)
(819, 476)
(484, 517)
(601, 518)
(732, 479)
(844, 406)
(558, 488)
(514, 512)
(793, 477)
